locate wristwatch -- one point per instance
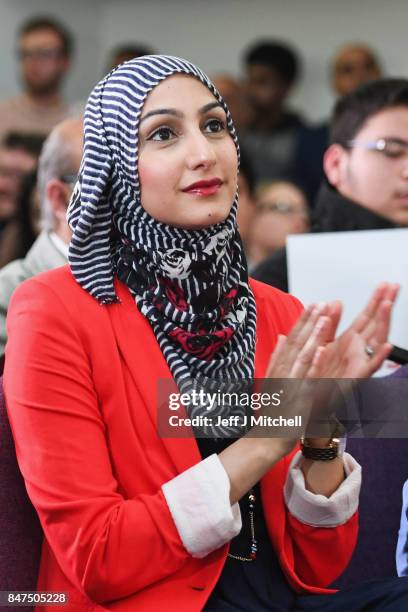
(335, 447)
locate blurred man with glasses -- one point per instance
(44, 51)
(365, 165)
(57, 174)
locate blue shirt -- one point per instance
(402, 545)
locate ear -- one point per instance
(57, 194)
(334, 163)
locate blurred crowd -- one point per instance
(348, 172)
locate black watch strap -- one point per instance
(320, 454)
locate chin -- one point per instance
(214, 220)
(200, 224)
(200, 218)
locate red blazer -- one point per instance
(80, 383)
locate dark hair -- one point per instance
(353, 110)
(279, 56)
(23, 214)
(128, 51)
(135, 50)
(246, 170)
(49, 23)
(22, 141)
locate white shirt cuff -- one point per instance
(319, 510)
(199, 504)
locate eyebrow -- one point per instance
(176, 113)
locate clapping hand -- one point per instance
(360, 350)
(311, 350)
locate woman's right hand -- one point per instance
(293, 358)
(294, 354)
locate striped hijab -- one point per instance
(191, 285)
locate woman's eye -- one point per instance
(214, 125)
(394, 151)
(162, 134)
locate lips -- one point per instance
(204, 188)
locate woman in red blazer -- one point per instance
(157, 288)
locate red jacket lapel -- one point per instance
(141, 352)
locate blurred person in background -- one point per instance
(25, 141)
(17, 158)
(246, 190)
(125, 52)
(236, 97)
(366, 164)
(23, 229)
(271, 71)
(57, 174)
(366, 168)
(353, 65)
(281, 209)
(44, 50)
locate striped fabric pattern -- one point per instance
(192, 285)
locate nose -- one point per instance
(201, 152)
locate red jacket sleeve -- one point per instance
(107, 545)
(322, 554)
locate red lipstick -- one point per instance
(204, 188)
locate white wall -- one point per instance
(213, 33)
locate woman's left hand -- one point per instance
(360, 350)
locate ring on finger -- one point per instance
(369, 351)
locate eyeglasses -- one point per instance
(39, 54)
(13, 174)
(389, 147)
(69, 179)
(352, 67)
(281, 207)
